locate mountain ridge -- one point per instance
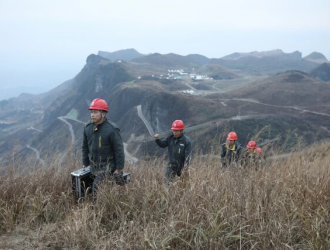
(126, 54)
(146, 82)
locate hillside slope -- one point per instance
(291, 88)
(321, 72)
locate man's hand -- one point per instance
(119, 171)
(156, 135)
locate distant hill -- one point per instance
(254, 63)
(322, 72)
(271, 64)
(217, 72)
(286, 89)
(194, 63)
(277, 52)
(198, 59)
(170, 61)
(125, 54)
(316, 57)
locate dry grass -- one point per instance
(284, 206)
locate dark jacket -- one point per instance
(103, 147)
(179, 150)
(253, 160)
(229, 155)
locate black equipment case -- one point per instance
(82, 181)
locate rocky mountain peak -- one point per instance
(316, 57)
(125, 54)
(94, 59)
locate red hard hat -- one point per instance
(177, 125)
(232, 136)
(99, 104)
(259, 150)
(251, 144)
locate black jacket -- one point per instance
(179, 149)
(103, 147)
(228, 155)
(253, 159)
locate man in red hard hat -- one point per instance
(179, 150)
(102, 148)
(253, 157)
(230, 150)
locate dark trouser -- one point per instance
(171, 171)
(98, 180)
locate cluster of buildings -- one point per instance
(180, 74)
(188, 92)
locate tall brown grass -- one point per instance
(283, 206)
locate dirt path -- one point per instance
(128, 156)
(284, 107)
(189, 86)
(33, 128)
(73, 138)
(145, 121)
(37, 154)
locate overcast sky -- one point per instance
(44, 43)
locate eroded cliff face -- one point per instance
(97, 79)
(162, 109)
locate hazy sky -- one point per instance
(44, 43)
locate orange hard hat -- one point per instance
(177, 125)
(251, 144)
(99, 104)
(232, 136)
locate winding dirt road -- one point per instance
(284, 107)
(37, 154)
(145, 121)
(128, 156)
(73, 138)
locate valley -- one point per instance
(148, 92)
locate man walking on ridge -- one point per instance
(231, 150)
(179, 151)
(102, 148)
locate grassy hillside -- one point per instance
(290, 88)
(283, 206)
